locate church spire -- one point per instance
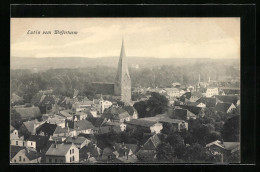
(123, 80)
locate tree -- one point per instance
(177, 143)
(16, 120)
(231, 129)
(165, 152)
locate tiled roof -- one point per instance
(222, 107)
(59, 150)
(41, 141)
(46, 128)
(228, 99)
(208, 101)
(141, 122)
(14, 150)
(76, 140)
(193, 109)
(30, 125)
(31, 154)
(83, 125)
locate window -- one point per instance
(15, 160)
(70, 151)
(24, 160)
(16, 142)
(73, 158)
(20, 158)
(70, 159)
(31, 143)
(23, 143)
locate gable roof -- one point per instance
(141, 122)
(30, 153)
(83, 125)
(31, 125)
(41, 141)
(28, 112)
(223, 107)
(59, 149)
(208, 101)
(193, 109)
(46, 128)
(76, 140)
(155, 140)
(14, 150)
(228, 99)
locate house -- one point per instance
(145, 125)
(174, 124)
(67, 114)
(62, 153)
(148, 151)
(225, 149)
(46, 129)
(82, 105)
(14, 150)
(229, 99)
(230, 90)
(64, 132)
(183, 114)
(172, 92)
(197, 104)
(225, 107)
(23, 143)
(29, 127)
(210, 91)
(209, 101)
(82, 126)
(79, 142)
(28, 113)
(108, 155)
(165, 122)
(120, 126)
(116, 114)
(26, 156)
(13, 133)
(90, 151)
(40, 141)
(80, 116)
(198, 111)
(126, 152)
(57, 120)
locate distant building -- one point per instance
(211, 91)
(62, 153)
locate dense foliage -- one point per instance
(63, 81)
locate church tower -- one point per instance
(123, 81)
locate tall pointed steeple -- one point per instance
(123, 80)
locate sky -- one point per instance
(143, 37)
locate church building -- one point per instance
(121, 88)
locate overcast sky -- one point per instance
(143, 37)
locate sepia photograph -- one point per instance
(125, 90)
